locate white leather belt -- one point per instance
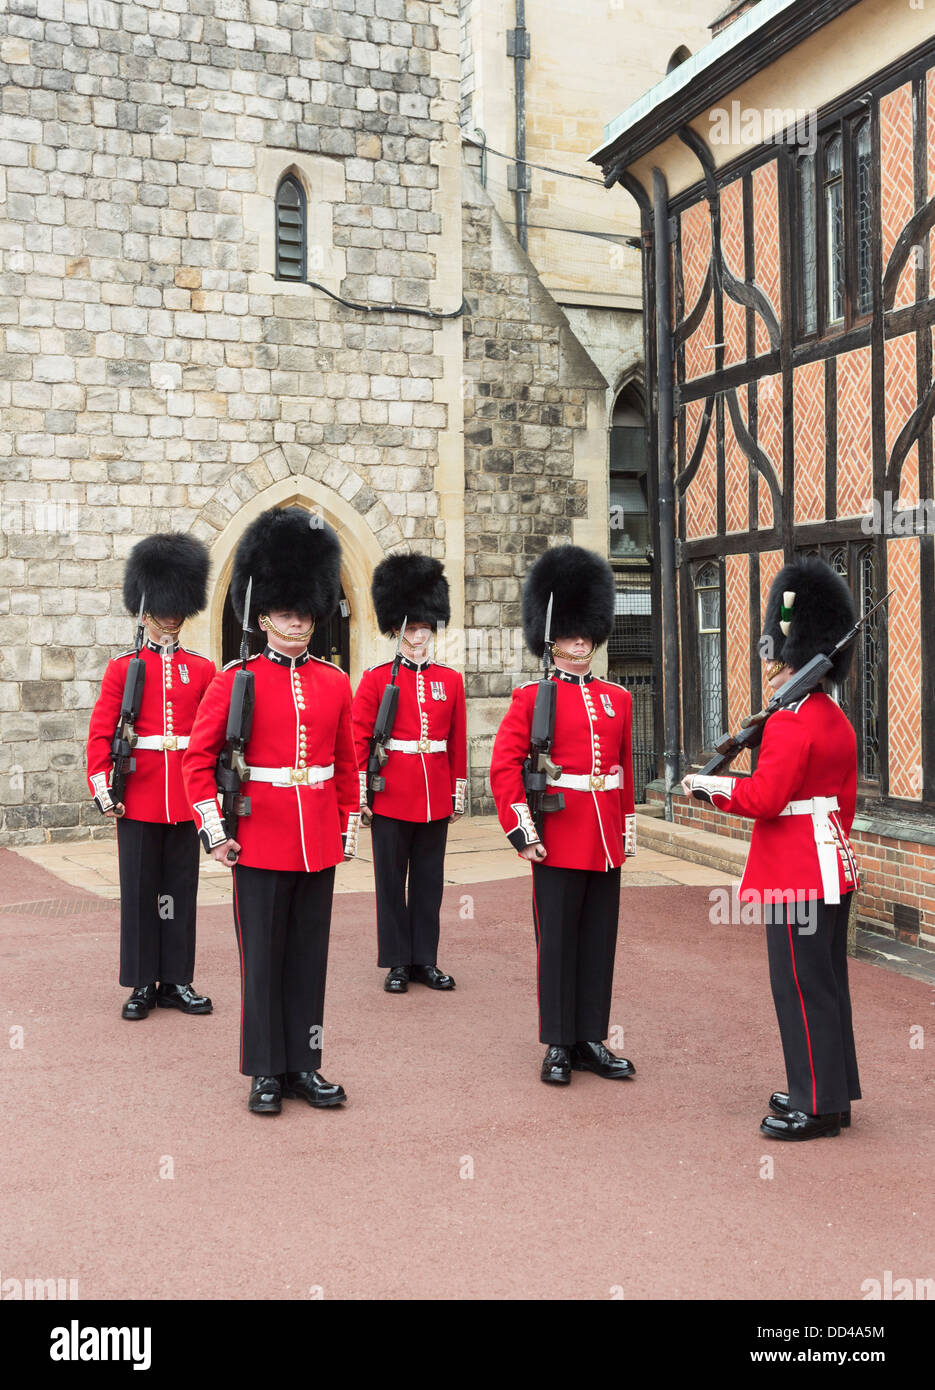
(588, 782)
(292, 776)
(826, 840)
(417, 745)
(162, 744)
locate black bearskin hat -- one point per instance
(582, 587)
(412, 586)
(171, 570)
(819, 615)
(294, 559)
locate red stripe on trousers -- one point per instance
(242, 981)
(535, 913)
(808, 1036)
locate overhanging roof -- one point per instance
(760, 36)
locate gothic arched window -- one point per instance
(290, 229)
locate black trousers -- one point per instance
(407, 930)
(158, 893)
(575, 913)
(283, 922)
(807, 946)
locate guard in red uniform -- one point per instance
(576, 864)
(801, 867)
(425, 773)
(157, 845)
(304, 803)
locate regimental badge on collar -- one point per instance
(608, 704)
(438, 690)
(183, 674)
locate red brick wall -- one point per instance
(891, 870)
(905, 670)
(701, 494)
(735, 316)
(855, 468)
(696, 255)
(769, 438)
(897, 202)
(766, 244)
(808, 397)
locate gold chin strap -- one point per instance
(267, 622)
(407, 643)
(574, 660)
(170, 631)
(773, 669)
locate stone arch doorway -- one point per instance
(223, 522)
(331, 640)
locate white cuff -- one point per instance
(351, 834)
(101, 791)
(458, 797)
(629, 835)
(707, 788)
(211, 829)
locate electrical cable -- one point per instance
(388, 308)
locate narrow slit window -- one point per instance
(708, 597)
(834, 229)
(808, 308)
(290, 230)
(864, 210)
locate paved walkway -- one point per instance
(477, 853)
(131, 1164)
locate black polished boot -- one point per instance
(779, 1101)
(796, 1125)
(183, 997)
(431, 975)
(397, 981)
(594, 1056)
(556, 1066)
(140, 1002)
(265, 1095)
(312, 1086)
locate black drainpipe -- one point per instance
(517, 47)
(665, 414)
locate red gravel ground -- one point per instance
(652, 1188)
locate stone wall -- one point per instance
(150, 361)
(529, 390)
(155, 375)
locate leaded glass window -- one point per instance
(808, 244)
(838, 562)
(864, 213)
(834, 228)
(290, 230)
(708, 598)
(869, 675)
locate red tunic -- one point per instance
(421, 785)
(301, 720)
(593, 720)
(173, 686)
(809, 750)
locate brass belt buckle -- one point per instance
(597, 782)
(424, 745)
(299, 775)
(170, 743)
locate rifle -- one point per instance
(383, 727)
(750, 735)
(538, 767)
(231, 771)
(124, 740)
